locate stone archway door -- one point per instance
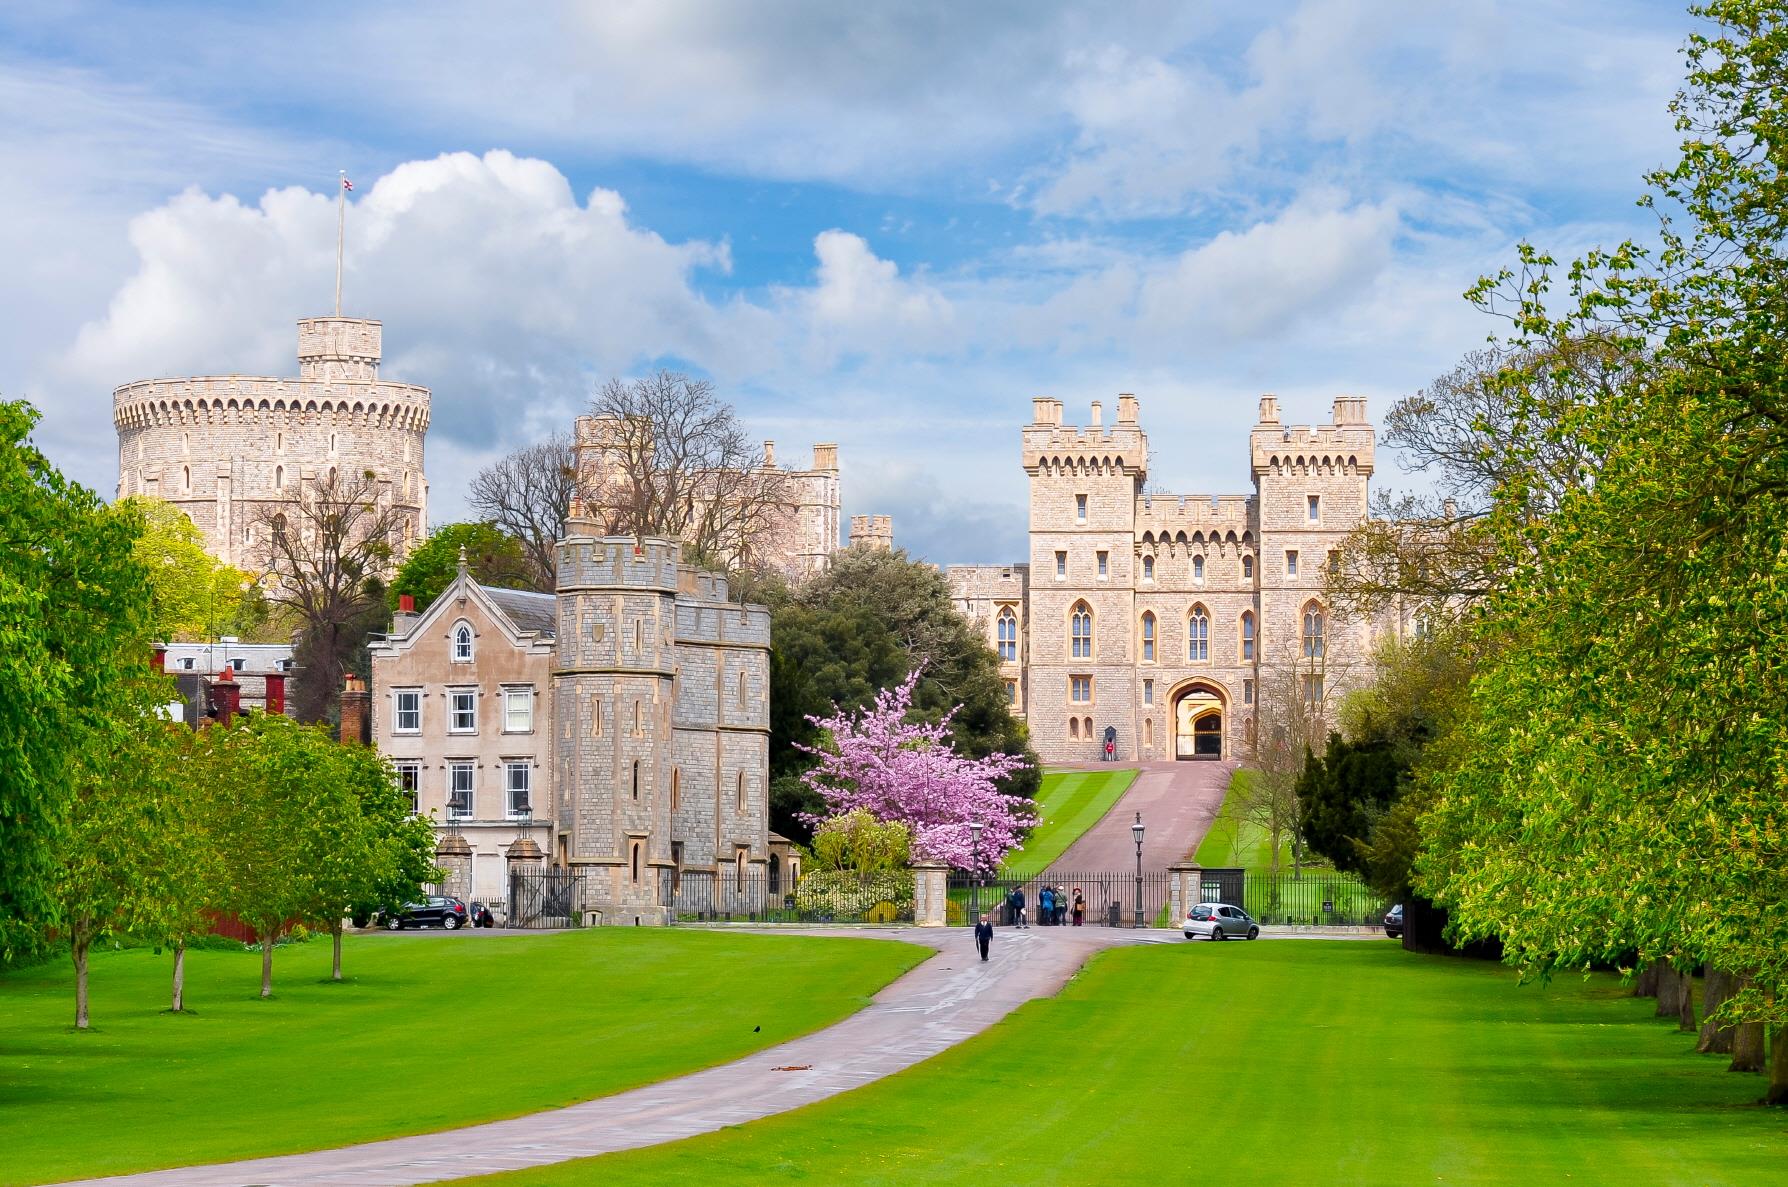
(1198, 724)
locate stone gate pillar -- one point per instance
(1188, 885)
(454, 856)
(931, 893)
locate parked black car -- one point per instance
(437, 910)
(1393, 922)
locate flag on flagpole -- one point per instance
(345, 183)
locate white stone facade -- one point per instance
(226, 449)
(1166, 618)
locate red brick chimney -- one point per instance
(226, 697)
(158, 657)
(276, 693)
(356, 711)
(406, 603)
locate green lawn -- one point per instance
(1234, 842)
(1288, 1062)
(1069, 803)
(432, 1031)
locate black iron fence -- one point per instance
(1297, 898)
(818, 898)
(1106, 899)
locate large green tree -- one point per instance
(1617, 782)
(75, 618)
(193, 594)
(492, 558)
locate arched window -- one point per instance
(639, 634)
(1247, 634)
(676, 788)
(739, 793)
(1074, 728)
(279, 529)
(636, 778)
(279, 478)
(1007, 632)
(1148, 568)
(1248, 568)
(186, 480)
(635, 848)
(636, 722)
(1313, 631)
(462, 643)
(739, 870)
(741, 690)
(1198, 568)
(1080, 631)
(1086, 727)
(1148, 731)
(1198, 634)
(1148, 637)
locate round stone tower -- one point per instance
(225, 449)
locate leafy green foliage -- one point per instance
(492, 558)
(859, 843)
(74, 622)
(194, 596)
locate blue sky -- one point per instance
(888, 226)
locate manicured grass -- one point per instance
(1069, 803)
(1235, 842)
(430, 1032)
(1276, 1062)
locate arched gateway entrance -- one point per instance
(1198, 722)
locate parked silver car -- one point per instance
(1219, 921)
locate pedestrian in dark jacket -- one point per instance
(1079, 908)
(983, 935)
(1046, 906)
(1015, 900)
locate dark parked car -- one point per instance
(437, 910)
(1393, 922)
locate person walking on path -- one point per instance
(1015, 900)
(983, 935)
(1079, 908)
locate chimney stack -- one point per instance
(769, 455)
(825, 456)
(1098, 414)
(1126, 408)
(226, 697)
(1269, 410)
(356, 711)
(276, 693)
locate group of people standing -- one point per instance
(1054, 908)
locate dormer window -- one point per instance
(462, 643)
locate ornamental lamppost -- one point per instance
(975, 868)
(1136, 831)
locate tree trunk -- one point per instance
(79, 950)
(335, 930)
(1747, 1047)
(1777, 1093)
(1716, 1038)
(1646, 985)
(1670, 989)
(179, 977)
(267, 965)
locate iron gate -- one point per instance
(546, 898)
(1108, 899)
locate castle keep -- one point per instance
(1164, 621)
(227, 449)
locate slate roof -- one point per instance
(529, 611)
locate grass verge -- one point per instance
(1069, 803)
(429, 1032)
(1275, 1062)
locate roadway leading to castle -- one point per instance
(1178, 802)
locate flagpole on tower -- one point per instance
(341, 222)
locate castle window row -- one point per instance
(1198, 633)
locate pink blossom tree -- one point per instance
(909, 772)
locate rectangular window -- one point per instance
(517, 780)
(1148, 692)
(1080, 689)
(518, 710)
(1012, 692)
(1079, 508)
(408, 718)
(1061, 565)
(1315, 502)
(462, 711)
(1313, 689)
(1247, 692)
(409, 781)
(459, 790)
(1104, 565)
(1291, 562)
(596, 717)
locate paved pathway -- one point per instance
(1178, 801)
(949, 998)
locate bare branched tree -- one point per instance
(669, 458)
(527, 496)
(329, 554)
(1292, 711)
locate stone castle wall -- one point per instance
(228, 450)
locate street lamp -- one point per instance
(975, 869)
(1136, 831)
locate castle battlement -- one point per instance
(246, 399)
(589, 562)
(1345, 446)
(1048, 444)
(1182, 517)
